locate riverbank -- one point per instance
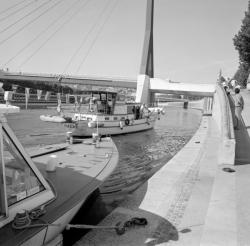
(195, 199)
(161, 200)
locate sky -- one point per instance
(104, 38)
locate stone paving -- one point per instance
(185, 187)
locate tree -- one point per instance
(242, 45)
(242, 74)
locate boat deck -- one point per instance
(82, 169)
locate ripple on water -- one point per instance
(143, 153)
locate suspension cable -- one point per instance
(11, 7)
(96, 37)
(49, 26)
(30, 22)
(53, 34)
(23, 17)
(17, 10)
(85, 37)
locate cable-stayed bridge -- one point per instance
(145, 83)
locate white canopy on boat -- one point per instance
(7, 109)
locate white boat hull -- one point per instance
(113, 128)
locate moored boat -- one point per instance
(43, 190)
(105, 115)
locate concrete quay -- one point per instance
(200, 197)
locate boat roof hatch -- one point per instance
(23, 187)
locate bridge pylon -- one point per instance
(143, 94)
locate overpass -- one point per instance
(67, 79)
(156, 85)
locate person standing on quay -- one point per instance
(239, 106)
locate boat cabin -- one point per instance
(22, 185)
(100, 102)
(106, 103)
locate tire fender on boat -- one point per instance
(91, 124)
(127, 122)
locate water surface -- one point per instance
(141, 154)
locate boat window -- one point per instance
(106, 118)
(21, 181)
(103, 97)
(96, 96)
(115, 118)
(109, 96)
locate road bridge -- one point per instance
(68, 79)
(156, 85)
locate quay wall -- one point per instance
(222, 116)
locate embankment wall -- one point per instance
(223, 118)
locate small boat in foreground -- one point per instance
(105, 115)
(43, 190)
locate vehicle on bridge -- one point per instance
(105, 115)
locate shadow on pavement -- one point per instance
(242, 153)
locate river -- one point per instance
(140, 156)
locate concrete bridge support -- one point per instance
(147, 63)
(142, 91)
(208, 106)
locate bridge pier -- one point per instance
(208, 106)
(142, 90)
